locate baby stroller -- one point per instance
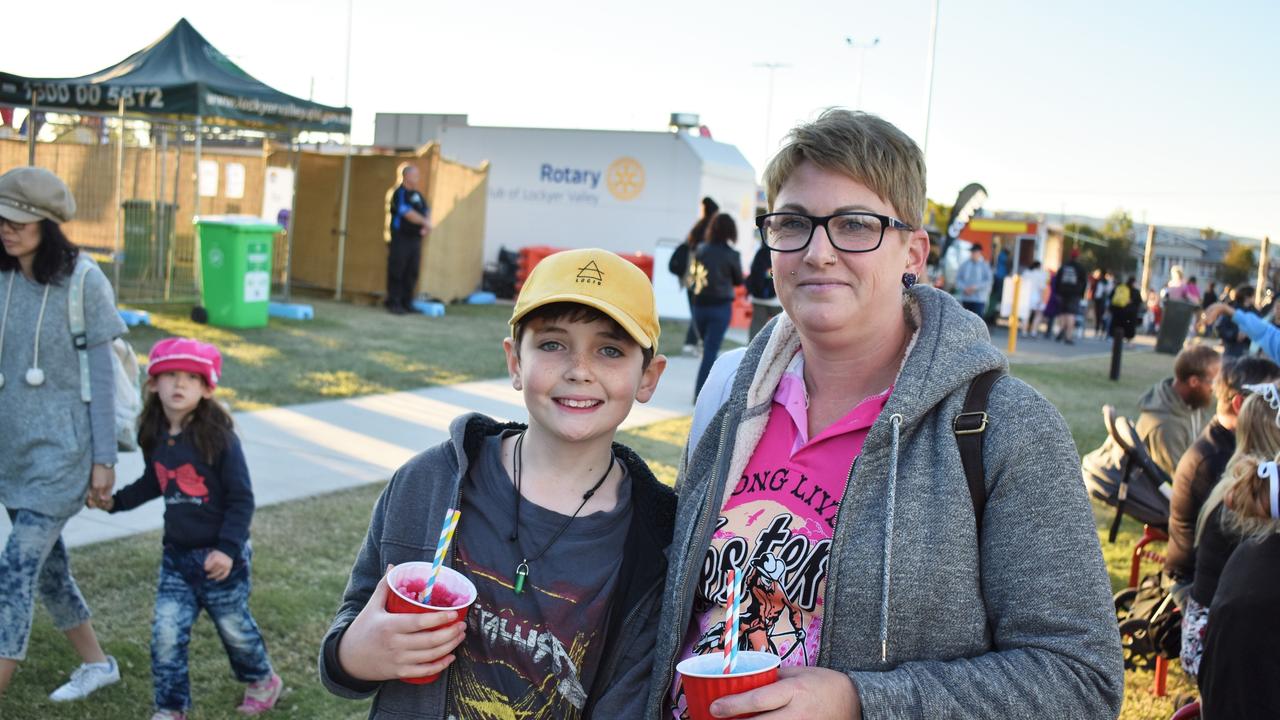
(1134, 485)
(1122, 474)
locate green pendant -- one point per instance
(522, 572)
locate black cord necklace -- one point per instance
(522, 570)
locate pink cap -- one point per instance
(186, 354)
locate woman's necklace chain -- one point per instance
(522, 570)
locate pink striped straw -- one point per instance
(731, 612)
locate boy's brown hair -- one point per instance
(574, 313)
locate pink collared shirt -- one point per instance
(793, 396)
(775, 528)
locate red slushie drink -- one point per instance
(452, 592)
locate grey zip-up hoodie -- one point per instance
(1167, 424)
(400, 530)
(930, 618)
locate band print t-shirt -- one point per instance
(775, 530)
(533, 655)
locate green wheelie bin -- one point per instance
(235, 269)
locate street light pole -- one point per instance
(768, 113)
(346, 168)
(928, 98)
(862, 49)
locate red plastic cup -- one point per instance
(452, 592)
(704, 680)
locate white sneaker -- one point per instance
(87, 678)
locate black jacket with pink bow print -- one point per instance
(206, 506)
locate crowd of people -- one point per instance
(867, 469)
(1220, 502)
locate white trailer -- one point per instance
(621, 190)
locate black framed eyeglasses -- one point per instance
(854, 232)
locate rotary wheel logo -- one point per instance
(625, 178)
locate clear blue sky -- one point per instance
(1166, 109)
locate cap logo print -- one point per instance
(590, 273)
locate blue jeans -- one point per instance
(35, 560)
(711, 321)
(977, 307)
(182, 593)
(691, 334)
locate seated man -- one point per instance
(1170, 420)
(1202, 466)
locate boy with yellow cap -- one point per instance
(562, 530)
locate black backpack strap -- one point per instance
(970, 426)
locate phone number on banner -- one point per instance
(67, 94)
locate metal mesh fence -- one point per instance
(134, 181)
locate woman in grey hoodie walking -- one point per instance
(823, 466)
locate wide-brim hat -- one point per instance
(29, 194)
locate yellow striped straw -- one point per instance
(442, 549)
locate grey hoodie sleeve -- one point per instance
(102, 404)
(1046, 590)
(365, 575)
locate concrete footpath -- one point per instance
(303, 450)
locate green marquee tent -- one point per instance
(181, 74)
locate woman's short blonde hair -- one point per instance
(862, 146)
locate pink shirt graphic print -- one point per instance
(775, 529)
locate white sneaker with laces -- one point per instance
(87, 678)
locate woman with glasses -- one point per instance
(715, 274)
(832, 444)
(54, 447)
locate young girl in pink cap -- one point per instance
(194, 461)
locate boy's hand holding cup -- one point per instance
(382, 644)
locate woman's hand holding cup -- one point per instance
(800, 693)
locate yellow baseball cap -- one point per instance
(599, 279)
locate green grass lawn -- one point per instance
(349, 350)
(1079, 389)
(303, 550)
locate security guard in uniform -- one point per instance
(410, 225)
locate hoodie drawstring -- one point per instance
(895, 422)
